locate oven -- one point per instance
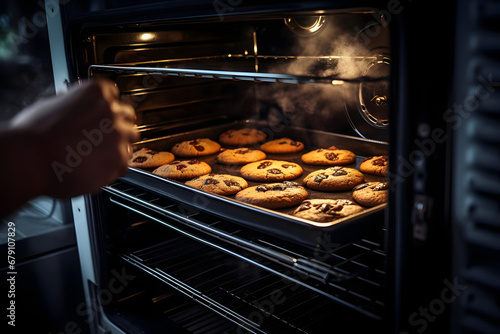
(401, 79)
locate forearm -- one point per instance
(24, 170)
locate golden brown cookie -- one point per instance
(246, 136)
(220, 184)
(371, 193)
(333, 179)
(196, 147)
(271, 171)
(273, 195)
(331, 156)
(326, 210)
(240, 156)
(146, 158)
(376, 165)
(183, 170)
(282, 145)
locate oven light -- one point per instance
(147, 36)
(305, 26)
(337, 82)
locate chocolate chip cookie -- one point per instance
(282, 145)
(246, 136)
(183, 170)
(333, 179)
(240, 156)
(371, 193)
(376, 165)
(196, 147)
(220, 184)
(146, 158)
(326, 210)
(271, 171)
(273, 195)
(331, 156)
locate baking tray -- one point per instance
(280, 221)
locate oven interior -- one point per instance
(204, 262)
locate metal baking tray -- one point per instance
(280, 221)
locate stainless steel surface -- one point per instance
(257, 68)
(311, 139)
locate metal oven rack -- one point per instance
(351, 274)
(239, 67)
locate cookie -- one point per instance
(271, 170)
(371, 193)
(331, 156)
(376, 165)
(245, 136)
(326, 210)
(146, 158)
(333, 179)
(196, 147)
(240, 156)
(220, 184)
(183, 170)
(273, 195)
(283, 145)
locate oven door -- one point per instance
(407, 233)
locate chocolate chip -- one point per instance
(181, 167)
(295, 143)
(287, 166)
(290, 184)
(140, 159)
(199, 148)
(152, 152)
(360, 186)
(211, 181)
(338, 171)
(320, 177)
(232, 183)
(306, 205)
(329, 208)
(193, 162)
(323, 207)
(282, 142)
(264, 164)
(381, 186)
(243, 151)
(381, 161)
(331, 156)
(261, 188)
(274, 171)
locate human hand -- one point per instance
(80, 139)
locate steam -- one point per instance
(318, 106)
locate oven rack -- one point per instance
(239, 67)
(352, 274)
(161, 306)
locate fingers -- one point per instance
(124, 110)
